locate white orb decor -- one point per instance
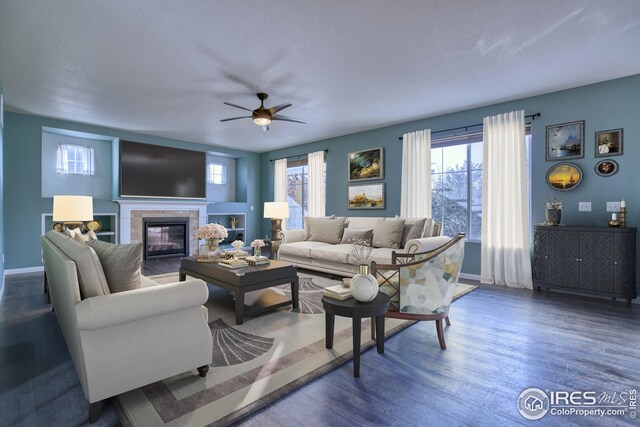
(364, 287)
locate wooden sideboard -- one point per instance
(595, 260)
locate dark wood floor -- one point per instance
(501, 341)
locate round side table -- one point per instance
(356, 310)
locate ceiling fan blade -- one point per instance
(277, 108)
(287, 119)
(265, 128)
(237, 106)
(235, 118)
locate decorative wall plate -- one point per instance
(606, 167)
(94, 225)
(58, 226)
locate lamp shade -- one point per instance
(72, 208)
(276, 210)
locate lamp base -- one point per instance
(276, 228)
(72, 225)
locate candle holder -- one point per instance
(623, 217)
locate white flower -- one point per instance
(257, 243)
(212, 231)
(237, 244)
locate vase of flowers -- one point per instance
(364, 286)
(212, 234)
(257, 246)
(553, 213)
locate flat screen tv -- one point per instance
(153, 171)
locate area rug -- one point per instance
(255, 363)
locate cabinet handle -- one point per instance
(545, 257)
(615, 262)
(577, 259)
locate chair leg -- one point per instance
(202, 370)
(95, 409)
(373, 328)
(446, 319)
(440, 334)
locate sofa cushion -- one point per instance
(326, 230)
(300, 249)
(379, 255)
(309, 219)
(332, 253)
(121, 264)
(91, 277)
(413, 229)
(388, 234)
(363, 222)
(362, 237)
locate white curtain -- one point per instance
(316, 202)
(505, 257)
(280, 184)
(82, 159)
(415, 196)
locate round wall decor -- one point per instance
(564, 176)
(606, 167)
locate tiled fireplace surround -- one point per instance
(132, 212)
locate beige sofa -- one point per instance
(122, 341)
(337, 258)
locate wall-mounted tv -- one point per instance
(153, 171)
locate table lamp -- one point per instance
(277, 211)
(72, 210)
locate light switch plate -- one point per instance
(613, 206)
(584, 206)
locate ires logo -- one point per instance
(575, 398)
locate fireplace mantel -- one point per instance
(127, 206)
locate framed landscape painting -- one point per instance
(369, 196)
(366, 164)
(564, 176)
(565, 141)
(609, 143)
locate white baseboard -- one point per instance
(475, 277)
(13, 271)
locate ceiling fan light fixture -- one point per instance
(262, 121)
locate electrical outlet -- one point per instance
(584, 206)
(613, 206)
(251, 207)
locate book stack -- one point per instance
(257, 260)
(233, 263)
(338, 292)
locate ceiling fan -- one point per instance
(264, 116)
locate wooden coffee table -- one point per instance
(243, 280)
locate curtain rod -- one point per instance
(531, 116)
(297, 157)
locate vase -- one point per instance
(257, 252)
(213, 245)
(364, 286)
(553, 216)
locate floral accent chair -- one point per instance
(421, 285)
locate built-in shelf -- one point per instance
(224, 219)
(109, 232)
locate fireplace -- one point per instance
(165, 237)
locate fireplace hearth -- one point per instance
(165, 237)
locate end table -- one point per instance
(356, 310)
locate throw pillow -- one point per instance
(326, 230)
(412, 230)
(308, 220)
(72, 232)
(361, 237)
(388, 234)
(82, 238)
(121, 264)
(92, 235)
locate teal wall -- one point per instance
(608, 105)
(24, 204)
(2, 251)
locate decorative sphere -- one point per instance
(364, 287)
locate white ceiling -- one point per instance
(165, 67)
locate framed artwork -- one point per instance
(564, 176)
(368, 196)
(608, 143)
(365, 165)
(565, 141)
(606, 167)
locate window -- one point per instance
(216, 173)
(456, 174)
(297, 192)
(74, 159)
